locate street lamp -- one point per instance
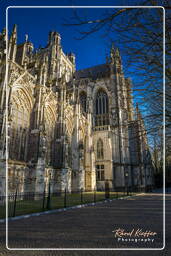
(48, 206)
(126, 176)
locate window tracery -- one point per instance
(83, 101)
(19, 126)
(101, 109)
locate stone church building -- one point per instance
(74, 129)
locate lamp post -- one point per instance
(126, 181)
(81, 165)
(48, 206)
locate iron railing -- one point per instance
(31, 202)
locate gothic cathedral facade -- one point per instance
(75, 129)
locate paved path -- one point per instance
(92, 227)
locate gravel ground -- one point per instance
(91, 227)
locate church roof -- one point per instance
(93, 72)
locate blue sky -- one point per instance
(38, 22)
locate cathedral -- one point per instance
(74, 129)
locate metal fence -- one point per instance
(25, 203)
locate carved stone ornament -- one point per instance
(124, 116)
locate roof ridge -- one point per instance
(92, 67)
(94, 72)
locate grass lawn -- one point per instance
(58, 201)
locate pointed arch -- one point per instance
(101, 108)
(25, 93)
(83, 101)
(21, 105)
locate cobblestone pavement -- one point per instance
(91, 227)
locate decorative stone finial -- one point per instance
(26, 38)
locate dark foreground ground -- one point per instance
(91, 227)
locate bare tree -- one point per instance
(139, 33)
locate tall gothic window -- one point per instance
(83, 101)
(101, 109)
(49, 123)
(100, 153)
(19, 127)
(18, 133)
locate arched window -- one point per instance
(101, 109)
(19, 128)
(100, 153)
(18, 132)
(49, 124)
(83, 101)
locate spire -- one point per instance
(138, 113)
(13, 44)
(13, 37)
(117, 53)
(14, 28)
(26, 38)
(115, 60)
(14, 32)
(54, 38)
(112, 51)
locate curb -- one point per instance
(63, 209)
